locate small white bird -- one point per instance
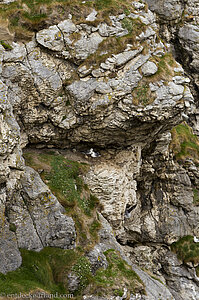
(195, 239)
(92, 153)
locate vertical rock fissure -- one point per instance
(35, 226)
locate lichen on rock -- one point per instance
(100, 84)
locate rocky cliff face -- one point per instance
(116, 81)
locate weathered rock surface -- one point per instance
(39, 218)
(33, 219)
(97, 107)
(168, 9)
(154, 288)
(67, 88)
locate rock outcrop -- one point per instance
(111, 84)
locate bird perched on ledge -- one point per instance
(195, 239)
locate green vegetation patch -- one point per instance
(64, 178)
(101, 4)
(166, 65)
(34, 17)
(186, 249)
(83, 270)
(94, 227)
(118, 274)
(109, 7)
(141, 94)
(133, 25)
(48, 271)
(184, 143)
(45, 270)
(6, 45)
(12, 227)
(65, 181)
(28, 16)
(195, 196)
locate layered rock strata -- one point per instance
(114, 86)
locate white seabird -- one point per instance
(195, 239)
(92, 153)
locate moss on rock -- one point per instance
(185, 143)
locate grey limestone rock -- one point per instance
(9, 252)
(51, 38)
(97, 259)
(168, 9)
(52, 226)
(92, 16)
(147, 197)
(189, 33)
(81, 92)
(87, 45)
(149, 68)
(154, 288)
(73, 282)
(26, 234)
(124, 57)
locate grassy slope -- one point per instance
(48, 269)
(184, 143)
(28, 16)
(63, 177)
(142, 93)
(187, 250)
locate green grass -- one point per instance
(94, 227)
(141, 94)
(186, 249)
(134, 26)
(118, 292)
(118, 272)
(6, 45)
(101, 4)
(47, 270)
(35, 17)
(44, 270)
(27, 16)
(184, 143)
(82, 269)
(64, 180)
(195, 196)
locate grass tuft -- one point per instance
(64, 178)
(83, 270)
(186, 249)
(195, 196)
(141, 94)
(184, 143)
(44, 270)
(6, 45)
(117, 272)
(33, 15)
